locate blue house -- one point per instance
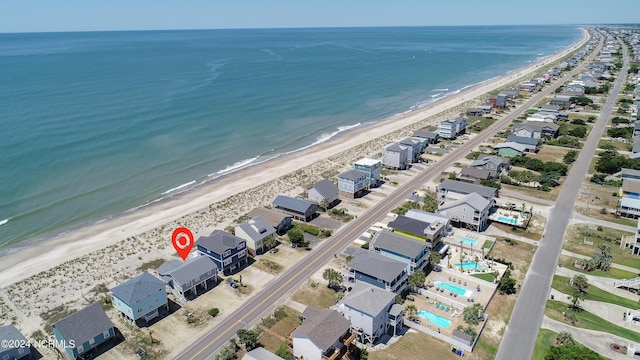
(140, 298)
(351, 183)
(13, 350)
(184, 277)
(228, 251)
(414, 253)
(83, 331)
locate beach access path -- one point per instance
(258, 306)
(519, 338)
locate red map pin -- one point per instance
(182, 240)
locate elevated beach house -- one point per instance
(413, 148)
(371, 167)
(430, 137)
(228, 251)
(351, 183)
(140, 299)
(372, 312)
(280, 221)
(300, 209)
(431, 233)
(12, 340)
(470, 211)
(184, 277)
(632, 243)
(414, 253)
(81, 332)
(430, 218)
(395, 156)
(378, 270)
(255, 232)
(324, 334)
(324, 191)
(451, 128)
(450, 190)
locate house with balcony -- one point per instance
(414, 253)
(300, 209)
(13, 349)
(371, 167)
(413, 148)
(372, 312)
(255, 232)
(430, 218)
(431, 233)
(352, 183)
(395, 156)
(450, 190)
(494, 164)
(378, 270)
(325, 191)
(185, 277)
(227, 251)
(632, 243)
(470, 211)
(83, 331)
(140, 299)
(430, 137)
(630, 174)
(630, 188)
(531, 145)
(536, 129)
(451, 128)
(474, 175)
(323, 335)
(280, 221)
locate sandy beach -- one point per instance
(64, 269)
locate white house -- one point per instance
(255, 232)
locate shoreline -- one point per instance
(155, 216)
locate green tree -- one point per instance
(416, 279)
(364, 354)
(564, 338)
(571, 352)
(602, 260)
(576, 297)
(324, 204)
(411, 310)
(434, 258)
(296, 235)
(578, 132)
(570, 157)
(284, 353)
(270, 242)
(580, 282)
(228, 352)
(248, 338)
(333, 277)
(507, 284)
(472, 314)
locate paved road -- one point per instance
(519, 339)
(260, 304)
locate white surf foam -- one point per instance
(179, 187)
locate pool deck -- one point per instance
(464, 281)
(511, 214)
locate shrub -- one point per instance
(214, 312)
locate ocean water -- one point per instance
(96, 123)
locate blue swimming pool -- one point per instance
(466, 240)
(438, 320)
(508, 220)
(470, 266)
(453, 288)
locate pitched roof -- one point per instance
(219, 241)
(192, 269)
(630, 185)
(368, 299)
(474, 172)
(426, 216)
(523, 140)
(466, 188)
(630, 172)
(291, 203)
(257, 228)
(409, 225)
(137, 288)
(409, 141)
(474, 200)
(353, 175)
(367, 162)
(10, 332)
(397, 243)
(395, 147)
(322, 327)
(487, 159)
(378, 266)
(325, 187)
(458, 120)
(512, 145)
(494, 158)
(168, 267)
(260, 353)
(536, 126)
(84, 325)
(425, 134)
(273, 217)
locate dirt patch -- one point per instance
(314, 293)
(550, 153)
(411, 344)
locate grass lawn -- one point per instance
(579, 232)
(281, 328)
(486, 276)
(411, 344)
(596, 214)
(315, 294)
(487, 244)
(561, 283)
(619, 145)
(546, 338)
(587, 320)
(478, 124)
(550, 153)
(614, 273)
(547, 195)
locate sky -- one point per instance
(91, 15)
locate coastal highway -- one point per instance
(273, 293)
(520, 337)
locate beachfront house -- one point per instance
(378, 270)
(81, 332)
(430, 137)
(255, 231)
(184, 277)
(451, 128)
(281, 222)
(510, 149)
(450, 190)
(13, 349)
(501, 101)
(140, 299)
(371, 311)
(414, 253)
(536, 129)
(324, 192)
(260, 353)
(351, 183)
(324, 334)
(431, 233)
(372, 168)
(228, 251)
(470, 211)
(395, 156)
(300, 209)
(474, 175)
(530, 144)
(413, 148)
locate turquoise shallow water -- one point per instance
(98, 123)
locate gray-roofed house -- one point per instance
(182, 277)
(419, 230)
(429, 217)
(228, 251)
(531, 144)
(536, 129)
(474, 175)
(280, 221)
(551, 108)
(450, 190)
(636, 128)
(492, 163)
(323, 191)
(510, 149)
(255, 232)
(352, 183)
(371, 311)
(395, 156)
(324, 334)
(451, 128)
(413, 147)
(414, 253)
(300, 209)
(378, 270)
(431, 137)
(471, 211)
(140, 298)
(260, 353)
(372, 168)
(12, 349)
(501, 100)
(81, 332)
(630, 174)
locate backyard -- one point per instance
(581, 240)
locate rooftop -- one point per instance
(397, 243)
(291, 203)
(475, 172)
(192, 269)
(322, 327)
(368, 299)
(474, 200)
(257, 228)
(137, 288)
(84, 325)
(630, 186)
(409, 225)
(219, 241)
(353, 175)
(367, 162)
(523, 140)
(325, 187)
(378, 266)
(467, 188)
(273, 217)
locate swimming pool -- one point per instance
(470, 266)
(508, 220)
(453, 288)
(468, 241)
(438, 320)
